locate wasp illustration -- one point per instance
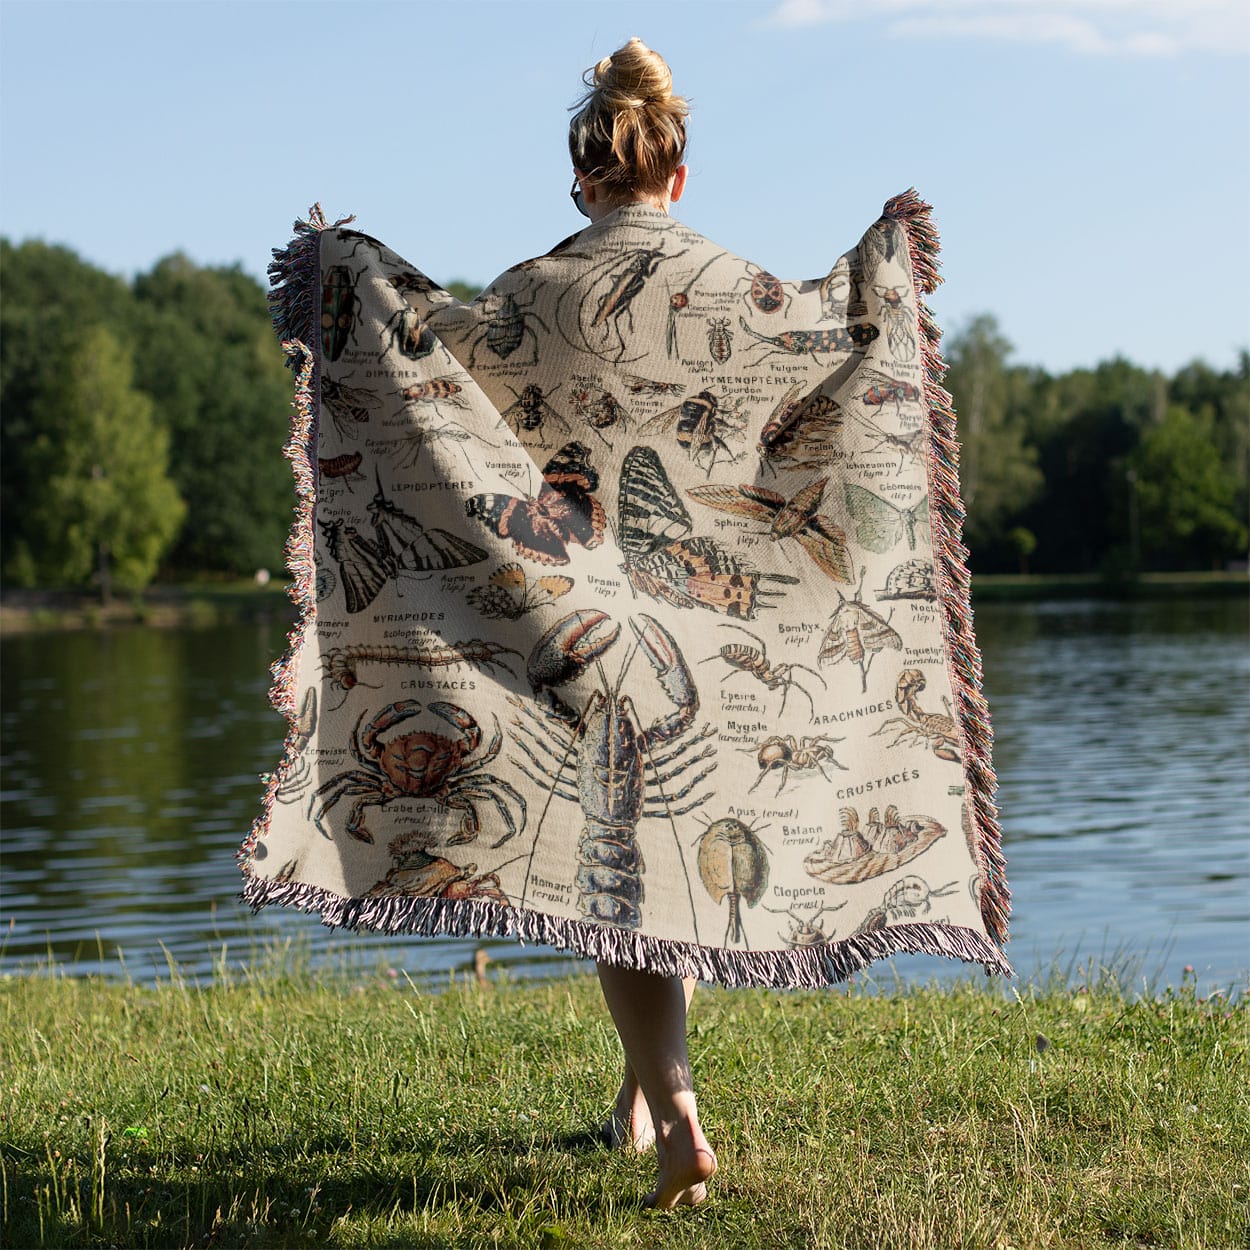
(744, 659)
(855, 337)
(801, 431)
(911, 444)
(720, 339)
(506, 328)
(646, 386)
(898, 316)
(434, 392)
(887, 390)
(531, 410)
(702, 423)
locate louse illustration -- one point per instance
(340, 306)
(509, 592)
(857, 633)
(887, 390)
(880, 846)
(533, 410)
(913, 579)
(796, 517)
(422, 765)
(852, 338)
(765, 290)
(788, 754)
(733, 865)
(900, 335)
(622, 768)
(805, 930)
(934, 729)
(408, 334)
(906, 898)
(506, 328)
(341, 468)
(349, 406)
(298, 778)
(720, 339)
(752, 660)
(341, 665)
(700, 424)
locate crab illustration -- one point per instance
(421, 765)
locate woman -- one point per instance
(629, 459)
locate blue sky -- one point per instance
(1087, 159)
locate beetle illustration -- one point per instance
(340, 306)
(407, 332)
(766, 293)
(506, 328)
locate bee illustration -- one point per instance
(702, 423)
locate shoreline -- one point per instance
(205, 604)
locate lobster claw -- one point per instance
(565, 651)
(673, 674)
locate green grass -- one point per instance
(297, 1110)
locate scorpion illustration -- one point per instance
(918, 725)
(746, 659)
(621, 771)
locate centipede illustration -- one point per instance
(340, 666)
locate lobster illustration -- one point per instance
(621, 774)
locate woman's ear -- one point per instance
(678, 185)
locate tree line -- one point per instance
(143, 420)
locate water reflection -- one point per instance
(131, 764)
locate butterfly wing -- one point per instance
(651, 514)
(879, 524)
(565, 506)
(917, 515)
(361, 569)
(436, 550)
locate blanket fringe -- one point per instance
(805, 967)
(947, 517)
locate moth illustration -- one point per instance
(563, 513)
(663, 559)
(879, 525)
(795, 518)
(856, 633)
(406, 546)
(509, 594)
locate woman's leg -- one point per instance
(629, 1123)
(650, 1015)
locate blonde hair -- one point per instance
(629, 132)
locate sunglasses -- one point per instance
(576, 196)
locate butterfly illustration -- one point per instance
(362, 568)
(406, 546)
(509, 594)
(564, 511)
(663, 559)
(795, 518)
(879, 525)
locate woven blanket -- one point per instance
(634, 618)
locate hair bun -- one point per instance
(630, 129)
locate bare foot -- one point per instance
(629, 1126)
(686, 1165)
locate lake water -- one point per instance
(130, 762)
